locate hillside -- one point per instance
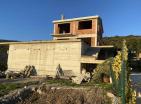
(3, 40)
(133, 42)
(134, 47)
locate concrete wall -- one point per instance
(139, 55)
(45, 56)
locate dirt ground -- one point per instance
(68, 96)
(53, 94)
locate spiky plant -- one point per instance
(120, 76)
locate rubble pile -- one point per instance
(45, 94)
(67, 95)
(27, 72)
(85, 76)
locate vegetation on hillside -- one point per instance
(133, 45)
(133, 42)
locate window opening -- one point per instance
(85, 25)
(64, 28)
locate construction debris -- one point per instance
(27, 72)
(85, 76)
(59, 72)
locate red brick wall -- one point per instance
(97, 30)
(86, 31)
(93, 41)
(74, 28)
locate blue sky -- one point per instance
(32, 19)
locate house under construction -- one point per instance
(75, 46)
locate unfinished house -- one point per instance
(88, 29)
(75, 46)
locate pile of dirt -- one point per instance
(54, 95)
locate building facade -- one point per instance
(75, 46)
(88, 29)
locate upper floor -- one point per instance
(89, 29)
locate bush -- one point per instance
(101, 69)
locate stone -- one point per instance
(77, 79)
(39, 91)
(59, 72)
(85, 76)
(27, 72)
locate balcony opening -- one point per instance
(64, 28)
(85, 25)
(106, 53)
(87, 41)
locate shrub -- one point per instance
(101, 69)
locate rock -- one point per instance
(27, 72)
(39, 91)
(59, 72)
(78, 79)
(85, 76)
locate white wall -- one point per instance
(45, 56)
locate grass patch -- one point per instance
(63, 82)
(107, 87)
(5, 88)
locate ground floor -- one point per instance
(46, 56)
(72, 56)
